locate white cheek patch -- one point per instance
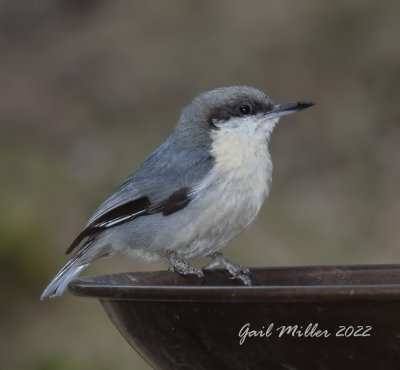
(240, 144)
(248, 125)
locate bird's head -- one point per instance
(237, 110)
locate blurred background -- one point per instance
(90, 88)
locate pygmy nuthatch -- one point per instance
(196, 192)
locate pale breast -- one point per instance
(229, 199)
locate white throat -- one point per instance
(241, 151)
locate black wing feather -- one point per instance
(116, 216)
(129, 211)
(176, 201)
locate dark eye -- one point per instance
(244, 109)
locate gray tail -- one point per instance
(71, 270)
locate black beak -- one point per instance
(289, 108)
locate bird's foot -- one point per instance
(181, 266)
(237, 271)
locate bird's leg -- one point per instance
(180, 265)
(237, 271)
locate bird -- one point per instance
(202, 187)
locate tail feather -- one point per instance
(60, 282)
(71, 270)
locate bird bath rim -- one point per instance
(305, 283)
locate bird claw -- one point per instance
(237, 271)
(181, 266)
(245, 279)
(190, 270)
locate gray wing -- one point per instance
(162, 184)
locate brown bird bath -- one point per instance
(295, 318)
